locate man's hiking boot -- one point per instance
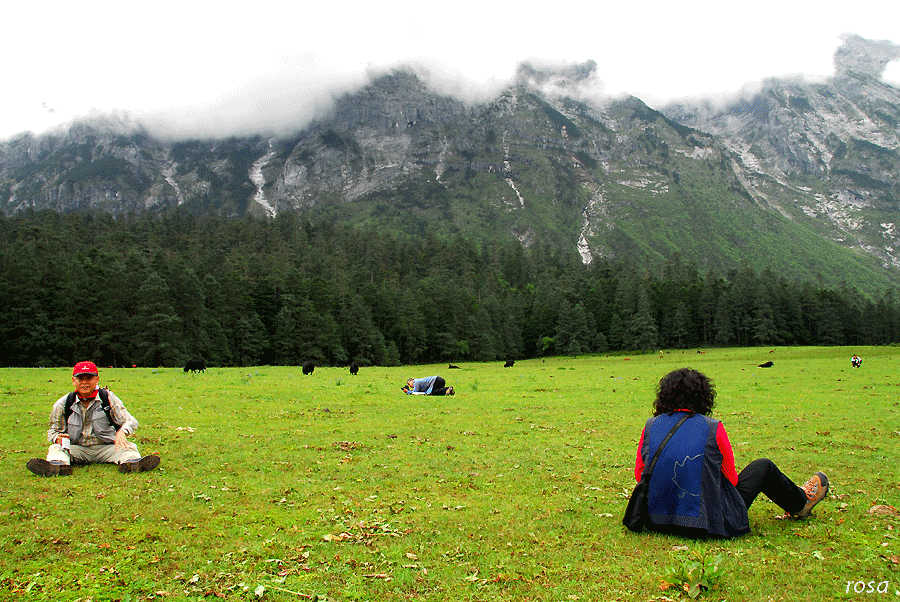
(143, 465)
(450, 391)
(43, 468)
(816, 488)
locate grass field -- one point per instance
(279, 486)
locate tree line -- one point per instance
(160, 289)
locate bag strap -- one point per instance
(663, 444)
(104, 404)
(107, 408)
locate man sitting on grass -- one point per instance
(89, 426)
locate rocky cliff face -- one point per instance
(372, 140)
(111, 165)
(827, 150)
(807, 168)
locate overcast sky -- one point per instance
(256, 65)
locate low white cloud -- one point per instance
(892, 74)
(203, 68)
(279, 101)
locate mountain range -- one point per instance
(801, 177)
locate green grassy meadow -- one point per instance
(278, 486)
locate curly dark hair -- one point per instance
(685, 389)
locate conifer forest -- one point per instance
(161, 289)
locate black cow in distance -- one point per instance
(195, 366)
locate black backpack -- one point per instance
(104, 403)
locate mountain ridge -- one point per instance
(801, 175)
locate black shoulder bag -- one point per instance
(636, 515)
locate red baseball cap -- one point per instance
(85, 368)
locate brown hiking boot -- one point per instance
(43, 468)
(816, 488)
(143, 465)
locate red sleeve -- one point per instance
(639, 463)
(727, 454)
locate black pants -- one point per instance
(439, 387)
(762, 476)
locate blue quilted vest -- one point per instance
(688, 494)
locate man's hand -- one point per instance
(59, 439)
(121, 438)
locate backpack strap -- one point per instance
(67, 411)
(104, 403)
(107, 408)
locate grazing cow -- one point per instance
(195, 366)
(509, 363)
(768, 364)
(451, 366)
(308, 368)
(354, 367)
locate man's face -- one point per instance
(85, 384)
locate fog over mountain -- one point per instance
(236, 70)
(281, 103)
(803, 171)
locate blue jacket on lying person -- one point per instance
(428, 385)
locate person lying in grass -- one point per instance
(694, 489)
(427, 385)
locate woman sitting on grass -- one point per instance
(695, 490)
